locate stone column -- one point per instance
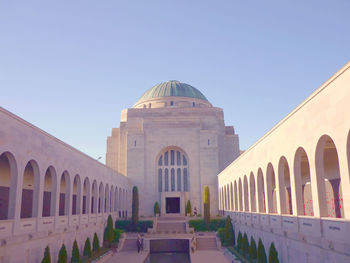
(335, 186)
(16, 200)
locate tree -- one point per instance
(75, 253)
(135, 205)
(156, 208)
(47, 256)
(95, 243)
(62, 255)
(206, 205)
(252, 248)
(273, 255)
(87, 249)
(109, 233)
(245, 245)
(261, 258)
(188, 207)
(239, 241)
(228, 237)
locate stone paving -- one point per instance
(128, 257)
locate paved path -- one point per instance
(202, 256)
(128, 256)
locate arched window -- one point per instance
(173, 163)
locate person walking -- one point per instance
(138, 243)
(195, 211)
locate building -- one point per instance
(171, 144)
(292, 187)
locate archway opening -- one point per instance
(64, 194)
(76, 195)
(100, 199)
(246, 194)
(94, 199)
(49, 192)
(86, 195)
(30, 190)
(240, 194)
(252, 192)
(271, 189)
(236, 198)
(261, 192)
(285, 187)
(231, 194)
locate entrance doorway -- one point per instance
(172, 205)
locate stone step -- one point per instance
(129, 245)
(206, 243)
(171, 227)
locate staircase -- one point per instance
(171, 227)
(206, 243)
(129, 244)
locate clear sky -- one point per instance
(70, 67)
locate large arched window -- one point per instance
(173, 171)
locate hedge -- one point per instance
(200, 225)
(128, 226)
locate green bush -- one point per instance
(109, 233)
(117, 235)
(75, 253)
(188, 208)
(95, 243)
(221, 235)
(87, 249)
(135, 205)
(62, 255)
(273, 255)
(206, 205)
(252, 248)
(228, 240)
(261, 258)
(245, 245)
(156, 208)
(47, 256)
(200, 225)
(239, 241)
(127, 225)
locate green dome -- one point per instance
(172, 88)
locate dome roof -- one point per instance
(172, 88)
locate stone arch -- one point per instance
(271, 189)
(240, 194)
(94, 198)
(285, 193)
(246, 194)
(30, 190)
(86, 196)
(76, 195)
(303, 183)
(120, 202)
(49, 192)
(328, 177)
(106, 201)
(63, 208)
(111, 199)
(8, 182)
(236, 198)
(116, 199)
(252, 192)
(100, 198)
(261, 192)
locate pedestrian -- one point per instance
(138, 243)
(195, 211)
(142, 238)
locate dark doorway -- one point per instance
(172, 205)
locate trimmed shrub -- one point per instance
(188, 208)
(221, 235)
(47, 256)
(252, 248)
(156, 208)
(117, 235)
(135, 205)
(62, 255)
(239, 241)
(75, 253)
(228, 240)
(109, 233)
(206, 205)
(127, 225)
(95, 243)
(245, 245)
(87, 249)
(200, 225)
(273, 255)
(261, 258)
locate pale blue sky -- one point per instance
(70, 67)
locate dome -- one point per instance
(172, 88)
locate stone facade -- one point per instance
(191, 126)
